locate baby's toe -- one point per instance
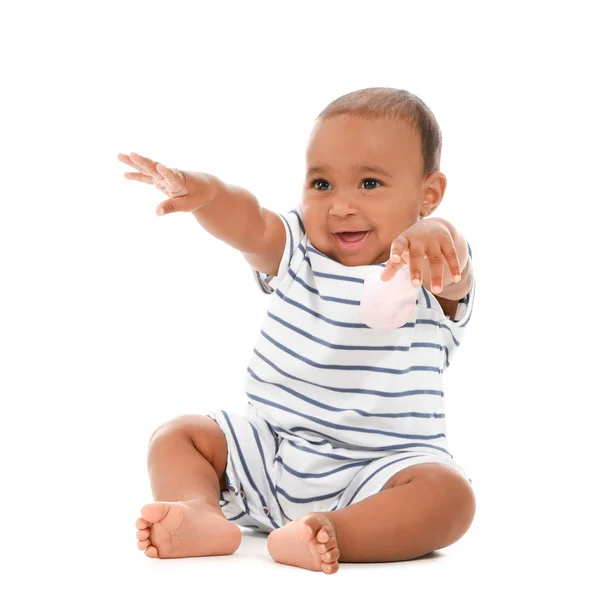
(143, 544)
(324, 534)
(308, 531)
(330, 568)
(143, 534)
(152, 552)
(155, 512)
(141, 523)
(323, 548)
(331, 556)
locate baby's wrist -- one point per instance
(203, 187)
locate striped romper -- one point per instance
(335, 408)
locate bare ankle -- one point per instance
(203, 504)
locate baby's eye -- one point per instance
(368, 183)
(317, 185)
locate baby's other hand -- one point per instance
(429, 239)
(172, 182)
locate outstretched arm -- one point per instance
(235, 216)
(227, 212)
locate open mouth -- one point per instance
(351, 240)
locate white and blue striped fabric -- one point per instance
(335, 408)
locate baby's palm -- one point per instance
(168, 180)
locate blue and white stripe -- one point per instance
(335, 407)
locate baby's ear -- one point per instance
(427, 209)
(433, 192)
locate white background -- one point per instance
(115, 320)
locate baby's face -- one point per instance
(362, 175)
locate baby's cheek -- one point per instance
(380, 249)
(316, 229)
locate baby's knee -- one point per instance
(456, 494)
(199, 430)
(178, 426)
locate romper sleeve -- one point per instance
(294, 233)
(453, 330)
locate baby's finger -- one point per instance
(175, 180)
(390, 271)
(399, 248)
(451, 255)
(394, 264)
(176, 203)
(416, 258)
(168, 207)
(138, 176)
(127, 160)
(146, 164)
(436, 270)
(396, 261)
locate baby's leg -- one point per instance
(186, 462)
(420, 509)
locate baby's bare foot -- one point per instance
(309, 542)
(188, 528)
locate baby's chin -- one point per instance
(359, 260)
(366, 256)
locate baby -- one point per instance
(341, 454)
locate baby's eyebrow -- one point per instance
(361, 167)
(316, 170)
(375, 169)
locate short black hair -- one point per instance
(388, 102)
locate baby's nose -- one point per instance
(342, 206)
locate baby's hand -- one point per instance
(185, 193)
(428, 239)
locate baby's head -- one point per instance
(372, 164)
